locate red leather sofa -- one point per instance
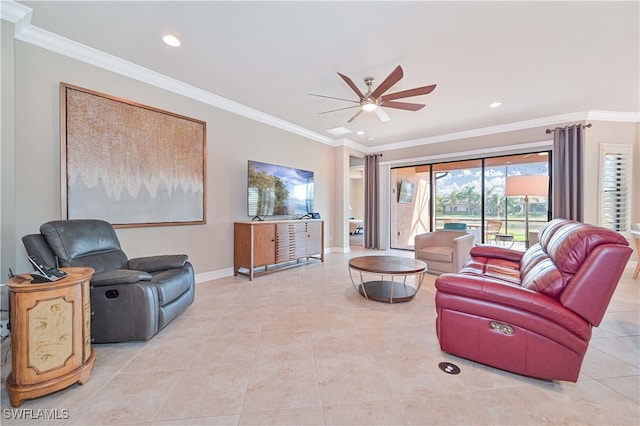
(532, 313)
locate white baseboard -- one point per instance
(228, 272)
(213, 275)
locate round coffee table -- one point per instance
(388, 290)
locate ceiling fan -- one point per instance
(372, 100)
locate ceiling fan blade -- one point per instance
(352, 85)
(331, 97)
(355, 116)
(388, 82)
(382, 114)
(339, 109)
(409, 93)
(403, 105)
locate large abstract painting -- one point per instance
(130, 164)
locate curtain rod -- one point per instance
(552, 130)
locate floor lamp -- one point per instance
(527, 186)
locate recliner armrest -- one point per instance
(119, 276)
(497, 253)
(158, 263)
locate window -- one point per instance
(615, 178)
(470, 194)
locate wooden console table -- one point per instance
(51, 335)
(267, 243)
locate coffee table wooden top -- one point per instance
(388, 264)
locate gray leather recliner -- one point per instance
(131, 299)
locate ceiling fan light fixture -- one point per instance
(369, 106)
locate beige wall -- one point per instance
(7, 163)
(231, 141)
(356, 198)
(409, 219)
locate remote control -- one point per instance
(51, 274)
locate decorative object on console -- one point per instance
(132, 299)
(527, 186)
(134, 166)
(532, 313)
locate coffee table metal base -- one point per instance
(387, 291)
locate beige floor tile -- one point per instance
(200, 421)
(294, 416)
(628, 386)
(206, 392)
(128, 398)
(625, 348)
(514, 406)
(289, 321)
(598, 365)
(385, 412)
(276, 385)
(352, 378)
(596, 402)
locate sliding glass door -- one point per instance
(410, 198)
(472, 195)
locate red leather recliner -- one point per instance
(531, 313)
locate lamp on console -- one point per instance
(527, 186)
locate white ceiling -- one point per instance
(540, 59)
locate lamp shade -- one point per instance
(527, 185)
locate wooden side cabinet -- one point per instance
(262, 244)
(50, 336)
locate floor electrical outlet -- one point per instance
(4, 328)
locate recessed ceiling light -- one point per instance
(337, 131)
(495, 104)
(171, 40)
(360, 132)
(370, 138)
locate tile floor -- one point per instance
(300, 346)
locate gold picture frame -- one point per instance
(130, 164)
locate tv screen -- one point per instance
(406, 192)
(278, 190)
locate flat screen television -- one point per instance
(405, 195)
(274, 190)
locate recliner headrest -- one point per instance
(70, 239)
(569, 243)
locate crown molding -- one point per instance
(515, 126)
(16, 13)
(619, 116)
(53, 42)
